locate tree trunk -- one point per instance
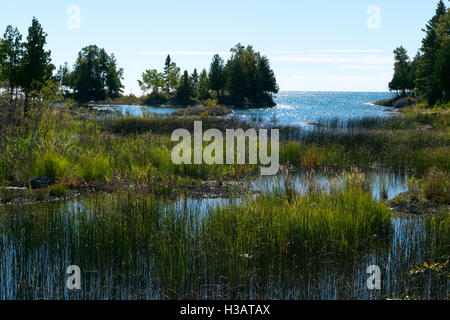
(26, 105)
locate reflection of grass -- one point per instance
(438, 228)
(183, 247)
(57, 190)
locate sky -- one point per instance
(323, 45)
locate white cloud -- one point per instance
(334, 82)
(182, 53)
(365, 67)
(343, 59)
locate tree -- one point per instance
(11, 54)
(95, 75)
(427, 87)
(402, 72)
(184, 90)
(266, 77)
(167, 72)
(249, 77)
(171, 75)
(36, 64)
(195, 80)
(442, 65)
(152, 80)
(203, 86)
(63, 76)
(217, 78)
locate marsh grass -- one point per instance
(438, 228)
(195, 254)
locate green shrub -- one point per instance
(96, 168)
(51, 165)
(436, 186)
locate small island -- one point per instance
(246, 80)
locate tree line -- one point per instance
(246, 79)
(427, 75)
(25, 67)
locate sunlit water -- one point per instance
(295, 108)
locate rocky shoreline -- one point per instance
(398, 102)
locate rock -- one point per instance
(40, 183)
(404, 102)
(397, 102)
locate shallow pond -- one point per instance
(107, 238)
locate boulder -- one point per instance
(40, 183)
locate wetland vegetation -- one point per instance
(351, 193)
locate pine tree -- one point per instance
(195, 81)
(36, 65)
(167, 68)
(427, 86)
(184, 90)
(95, 75)
(216, 74)
(442, 64)
(11, 53)
(267, 82)
(203, 86)
(63, 76)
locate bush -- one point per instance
(436, 186)
(52, 166)
(96, 168)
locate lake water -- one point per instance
(38, 242)
(297, 108)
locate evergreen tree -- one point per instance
(427, 87)
(167, 68)
(63, 76)
(95, 75)
(217, 78)
(11, 53)
(36, 64)
(203, 86)
(442, 65)
(401, 81)
(266, 77)
(195, 81)
(171, 75)
(184, 90)
(249, 77)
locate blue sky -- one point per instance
(324, 45)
